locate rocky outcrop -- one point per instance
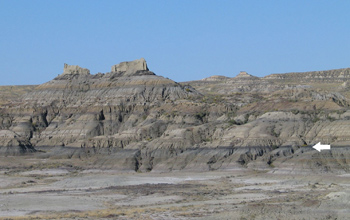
(71, 69)
(131, 68)
(12, 144)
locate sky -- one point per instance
(180, 39)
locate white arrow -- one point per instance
(320, 147)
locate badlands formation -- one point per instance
(245, 130)
(144, 122)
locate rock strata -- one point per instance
(336, 75)
(133, 119)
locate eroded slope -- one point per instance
(132, 119)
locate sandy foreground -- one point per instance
(44, 192)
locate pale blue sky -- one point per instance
(180, 39)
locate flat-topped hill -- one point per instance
(326, 75)
(129, 81)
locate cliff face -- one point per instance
(136, 120)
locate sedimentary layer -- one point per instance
(133, 119)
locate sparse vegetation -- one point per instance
(201, 115)
(315, 119)
(295, 111)
(232, 122)
(330, 118)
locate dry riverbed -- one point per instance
(69, 192)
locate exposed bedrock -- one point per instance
(130, 68)
(72, 69)
(12, 144)
(289, 160)
(133, 119)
